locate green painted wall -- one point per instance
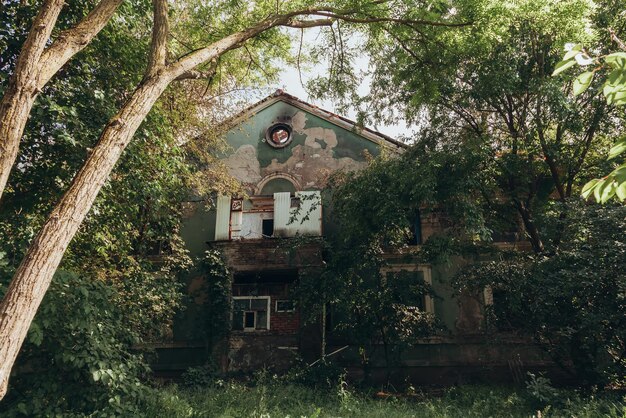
(252, 132)
(197, 229)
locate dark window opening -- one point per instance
(415, 235)
(268, 227)
(249, 320)
(266, 276)
(285, 306)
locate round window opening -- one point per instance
(278, 135)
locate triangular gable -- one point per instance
(320, 144)
(337, 120)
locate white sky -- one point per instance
(290, 82)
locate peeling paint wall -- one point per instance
(318, 149)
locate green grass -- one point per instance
(282, 400)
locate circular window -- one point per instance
(278, 135)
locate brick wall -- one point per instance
(284, 322)
(281, 323)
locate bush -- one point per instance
(573, 302)
(202, 376)
(323, 374)
(77, 358)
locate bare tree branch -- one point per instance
(303, 24)
(347, 18)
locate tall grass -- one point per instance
(267, 399)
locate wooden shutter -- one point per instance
(222, 219)
(282, 203)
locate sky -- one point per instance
(289, 81)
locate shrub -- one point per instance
(573, 302)
(201, 376)
(323, 374)
(77, 358)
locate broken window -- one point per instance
(416, 278)
(268, 228)
(278, 135)
(250, 313)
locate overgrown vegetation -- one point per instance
(78, 357)
(504, 148)
(573, 302)
(229, 399)
(118, 287)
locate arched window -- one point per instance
(277, 185)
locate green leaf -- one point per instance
(588, 188)
(582, 82)
(607, 190)
(618, 148)
(616, 60)
(620, 174)
(614, 88)
(620, 191)
(597, 191)
(573, 52)
(562, 66)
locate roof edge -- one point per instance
(340, 121)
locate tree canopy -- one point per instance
(108, 126)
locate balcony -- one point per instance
(283, 214)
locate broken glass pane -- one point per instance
(249, 319)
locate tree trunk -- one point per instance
(22, 90)
(14, 111)
(36, 65)
(531, 228)
(32, 278)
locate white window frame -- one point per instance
(248, 329)
(268, 310)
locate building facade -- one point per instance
(283, 151)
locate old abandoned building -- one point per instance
(283, 151)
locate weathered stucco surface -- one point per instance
(318, 149)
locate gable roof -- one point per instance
(340, 121)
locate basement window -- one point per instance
(251, 313)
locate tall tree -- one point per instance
(235, 25)
(37, 63)
(492, 81)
